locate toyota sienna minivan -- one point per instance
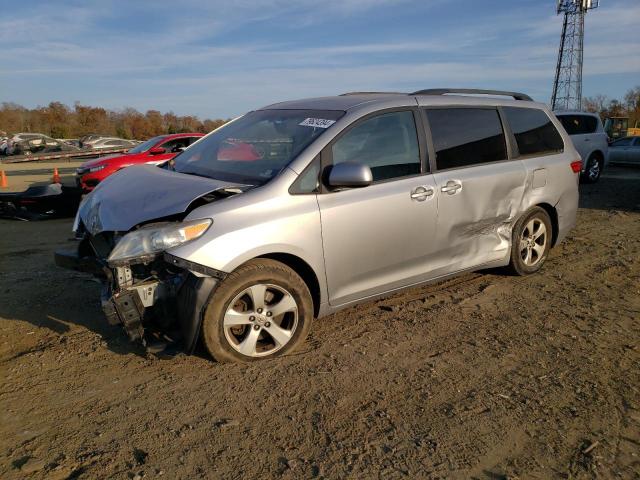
(299, 209)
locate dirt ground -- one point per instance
(20, 176)
(485, 376)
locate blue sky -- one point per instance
(215, 58)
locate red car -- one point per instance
(154, 151)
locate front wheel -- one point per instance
(261, 310)
(530, 241)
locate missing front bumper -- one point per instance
(176, 303)
(125, 308)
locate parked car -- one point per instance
(590, 139)
(18, 137)
(87, 140)
(154, 151)
(111, 143)
(625, 151)
(338, 200)
(41, 144)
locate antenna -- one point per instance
(567, 86)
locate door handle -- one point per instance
(587, 139)
(451, 187)
(421, 193)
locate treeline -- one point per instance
(629, 106)
(60, 121)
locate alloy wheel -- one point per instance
(533, 242)
(260, 320)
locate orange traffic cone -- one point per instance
(56, 176)
(3, 179)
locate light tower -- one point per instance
(567, 86)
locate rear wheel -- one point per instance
(593, 170)
(262, 310)
(530, 241)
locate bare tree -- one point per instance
(595, 104)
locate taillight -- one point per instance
(576, 166)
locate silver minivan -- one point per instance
(299, 209)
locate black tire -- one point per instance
(519, 265)
(593, 169)
(257, 271)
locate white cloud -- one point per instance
(192, 64)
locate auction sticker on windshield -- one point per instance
(317, 122)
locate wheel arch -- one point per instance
(599, 154)
(305, 271)
(553, 215)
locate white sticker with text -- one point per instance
(317, 122)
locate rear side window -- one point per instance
(388, 143)
(579, 124)
(466, 136)
(535, 133)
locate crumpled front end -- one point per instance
(124, 230)
(154, 297)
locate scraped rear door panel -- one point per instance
(474, 222)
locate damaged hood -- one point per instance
(142, 193)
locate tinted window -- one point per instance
(578, 124)
(534, 132)
(388, 143)
(466, 136)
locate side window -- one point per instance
(590, 124)
(466, 136)
(308, 181)
(571, 123)
(623, 142)
(534, 132)
(388, 143)
(175, 145)
(578, 124)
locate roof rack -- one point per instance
(370, 93)
(473, 91)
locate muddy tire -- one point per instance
(261, 310)
(530, 242)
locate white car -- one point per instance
(112, 143)
(590, 139)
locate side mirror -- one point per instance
(157, 151)
(349, 175)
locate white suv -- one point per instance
(590, 139)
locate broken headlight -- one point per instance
(149, 241)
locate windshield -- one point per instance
(144, 146)
(256, 147)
